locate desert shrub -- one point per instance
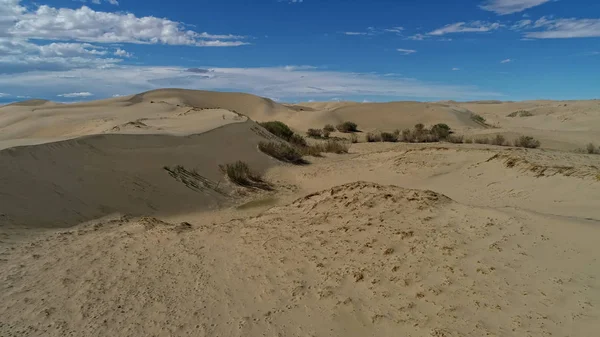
(282, 151)
(478, 118)
(279, 129)
(239, 173)
(332, 146)
(520, 113)
(329, 128)
(528, 142)
(314, 133)
(469, 140)
(591, 149)
(326, 133)
(499, 140)
(297, 140)
(455, 139)
(373, 137)
(482, 140)
(347, 127)
(389, 137)
(441, 130)
(406, 136)
(353, 139)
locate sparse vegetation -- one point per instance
(282, 151)
(389, 137)
(482, 140)
(442, 131)
(468, 140)
(527, 142)
(373, 137)
(478, 118)
(240, 174)
(326, 133)
(279, 129)
(329, 128)
(332, 146)
(499, 140)
(592, 149)
(520, 113)
(456, 139)
(297, 140)
(353, 139)
(315, 133)
(347, 127)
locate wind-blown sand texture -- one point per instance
(118, 222)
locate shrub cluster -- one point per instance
(239, 173)
(347, 127)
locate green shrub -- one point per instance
(499, 140)
(441, 130)
(279, 129)
(329, 128)
(373, 137)
(282, 151)
(477, 118)
(389, 137)
(314, 133)
(239, 173)
(297, 140)
(528, 142)
(347, 127)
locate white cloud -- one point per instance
(417, 37)
(267, 82)
(467, 27)
(97, 2)
(122, 53)
(3, 94)
(76, 94)
(406, 51)
(455, 69)
(396, 30)
(503, 7)
(506, 61)
(355, 33)
(564, 28)
(87, 25)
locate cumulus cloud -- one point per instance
(406, 51)
(467, 27)
(267, 82)
(122, 53)
(76, 94)
(504, 7)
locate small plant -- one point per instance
(477, 118)
(326, 133)
(441, 130)
(499, 140)
(520, 113)
(406, 136)
(591, 149)
(347, 127)
(455, 139)
(419, 127)
(315, 133)
(279, 129)
(353, 139)
(527, 142)
(334, 147)
(468, 140)
(239, 173)
(389, 137)
(297, 140)
(282, 151)
(373, 137)
(482, 140)
(329, 128)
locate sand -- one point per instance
(392, 239)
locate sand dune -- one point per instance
(116, 220)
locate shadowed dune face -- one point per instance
(61, 184)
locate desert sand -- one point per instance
(115, 220)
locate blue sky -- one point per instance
(67, 50)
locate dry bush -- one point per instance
(314, 133)
(442, 131)
(468, 140)
(482, 140)
(240, 174)
(347, 127)
(477, 118)
(353, 139)
(373, 137)
(389, 137)
(334, 147)
(456, 139)
(592, 149)
(297, 140)
(329, 128)
(326, 133)
(279, 129)
(282, 151)
(520, 113)
(406, 136)
(528, 142)
(499, 140)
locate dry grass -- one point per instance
(353, 139)
(347, 127)
(389, 137)
(499, 140)
(520, 113)
(240, 174)
(373, 137)
(456, 139)
(329, 128)
(282, 152)
(527, 142)
(315, 133)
